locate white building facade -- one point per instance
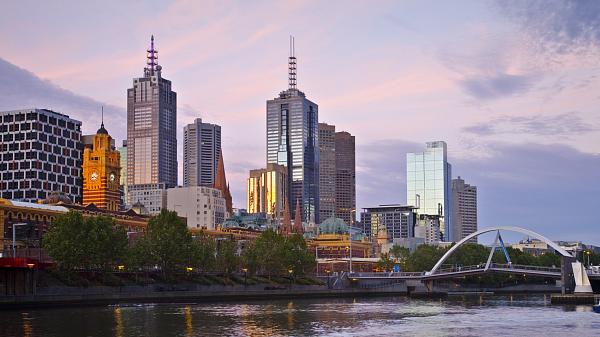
(204, 207)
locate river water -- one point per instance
(517, 315)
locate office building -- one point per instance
(151, 131)
(40, 153)
(201, 150)
(327, 171)
(464, 209)
(267, 190)
(202, 206)
(345, 177)
(153, 197)
(397, 221)
(292, 141)
(101, 172)
(428, 184)
(428, 229)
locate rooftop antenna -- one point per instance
(292, 65)
(102, 125)
(152, 58)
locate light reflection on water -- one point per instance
(513, 315)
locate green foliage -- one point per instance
(424, 258)
(273, 254)
(168, 241)
(385, 262)
(93, 243)
(202, 255)
(296, 255)
(227, 259)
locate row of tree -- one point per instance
(96, 243)
(426, 256)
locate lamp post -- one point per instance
(350, 245)
(588, 253)
(245, 270)
(14, 227)
(290, 271)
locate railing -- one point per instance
(505, 266)
(385, 274)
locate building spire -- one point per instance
(152, 59)
(298, 219)
(292, 65)
(221, 184)
(102, 124)
(102, 130)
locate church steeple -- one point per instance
(221, 184)
(298, 219)
(286, 224)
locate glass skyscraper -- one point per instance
(429, 183)
(292, 141)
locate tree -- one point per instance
(168, 242)
(424, 258)
(265, 254)
(296, 255)
(400, 255)
(385, 262)
(93, 243)
(203, 252)
(227, 259)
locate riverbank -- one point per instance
(575, 299)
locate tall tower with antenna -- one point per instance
(151, 136)
(292, 141)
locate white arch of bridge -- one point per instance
(499, 228)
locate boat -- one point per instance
(597, 307)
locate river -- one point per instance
(518, 315)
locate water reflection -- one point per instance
(460, 316)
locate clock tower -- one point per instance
(101, 172)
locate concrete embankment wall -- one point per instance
(67, 296)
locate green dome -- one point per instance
(333, 226)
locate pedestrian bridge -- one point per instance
(571, 270)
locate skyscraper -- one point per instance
(327, 171)
(40, 153)
(123, 176)
(292, 141)
(201, 149)
(464, 209)
(345, 177)
(428, 184)
(151, 133)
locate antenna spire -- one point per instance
(102, 124)
(152, 58)
(292, 65)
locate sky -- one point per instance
(511, 86)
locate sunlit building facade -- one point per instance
(267, 190)
(428, 184)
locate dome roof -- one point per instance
(102, 130)
(57, 197)
(333, 226)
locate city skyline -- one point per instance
(519, 120)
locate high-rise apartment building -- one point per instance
(101, 172)
(345, 177)
(151, 129)
(327, 171)
(464, 209)
(292, 141)
(428, 184)
(267, 190)
(397, 221)
(201, 151)
(40, 153)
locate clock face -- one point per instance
(112, 177)
(94, 176)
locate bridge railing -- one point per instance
(458, 269)
(384, 274)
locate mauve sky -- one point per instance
(511, 86)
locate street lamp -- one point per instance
(588, 253)
(14, 227)
(290, 271)
(245, 270)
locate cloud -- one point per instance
(561, 26)
(21, 89)
(561, 125)
(498, 85)
(550, 189)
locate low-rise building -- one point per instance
(152, 196)
(397, 220)
(428, 229)
(204, 207)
